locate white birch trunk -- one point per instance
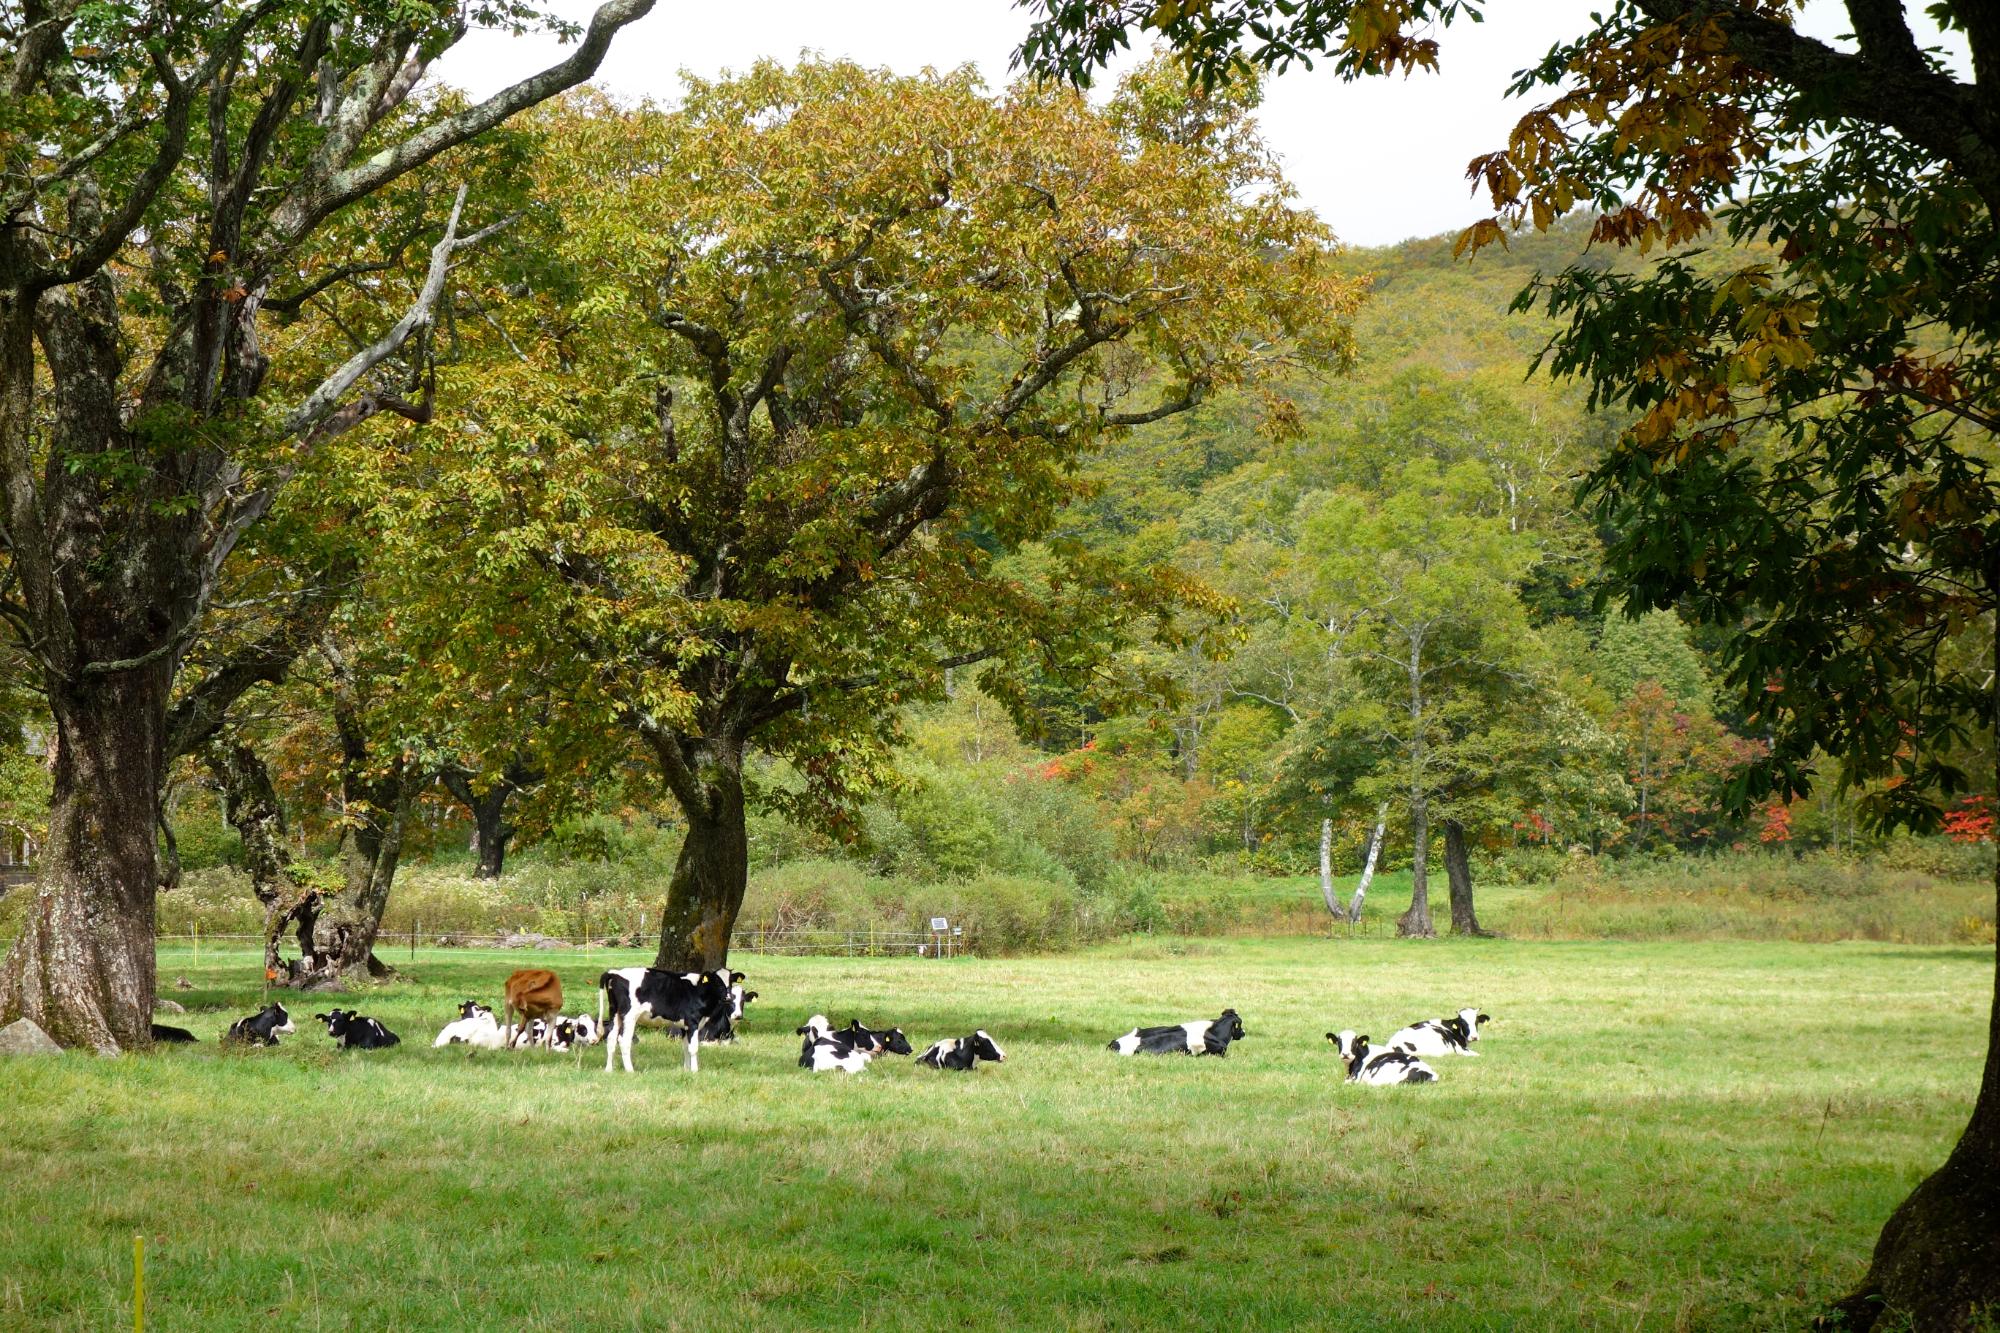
(1368, 870)
(1326, 869)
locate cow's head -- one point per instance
(985, 1048)
(1472, 1018)
(281, 1020)
(473, 1009)
(1231, 1025)
(1349, 1046)
(336, 1020)
(815, 1027)
(894, 1042)
(739, 999)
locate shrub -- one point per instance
(205, 841)
(1063, 823)
(950, 829)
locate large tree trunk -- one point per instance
(1417, 920)
(250, 803)
(1458, 872)
(714, 866)
(489, 818)
(492, 831)
(82, 967)
(376, 795)
(1937, 1262)
(345, 935)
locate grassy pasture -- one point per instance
(1659, 1135)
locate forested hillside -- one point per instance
(1395, 615)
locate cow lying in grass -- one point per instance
(475, 1026)
(962, 1052)
(1441, 1036)
(351, 1032)
(888, 1041)
(686, 1000)
(825, 1050)
(262, 1028)
(1208, 1036)
(1379, 1068)
(561, 1034)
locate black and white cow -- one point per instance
(561, 1034)
(1208, 1036)
(351, 1032)
(1442, 1036)
(962, 1052)
(718, 1031)
(687, 1000)
(887, 1041)
(1379, 1068)
(825, 1050)
(262, 1028)
(475, 1026)
(161, 1032)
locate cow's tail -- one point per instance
(603, 994)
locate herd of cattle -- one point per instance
(708, 1006)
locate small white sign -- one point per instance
(958, 930)
(939, 923)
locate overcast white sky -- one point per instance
(1380, 160)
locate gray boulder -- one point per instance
(23, 1037)
(168, 1007)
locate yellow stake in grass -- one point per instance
(138, 1283)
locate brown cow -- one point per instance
(533, 992)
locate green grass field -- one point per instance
(1658, 1135)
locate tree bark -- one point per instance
(714, 865)
(1417, 920)
(1458, 872)
(82, 967)
(1937, 1261)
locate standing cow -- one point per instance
(532, 992)
(690, 1001)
